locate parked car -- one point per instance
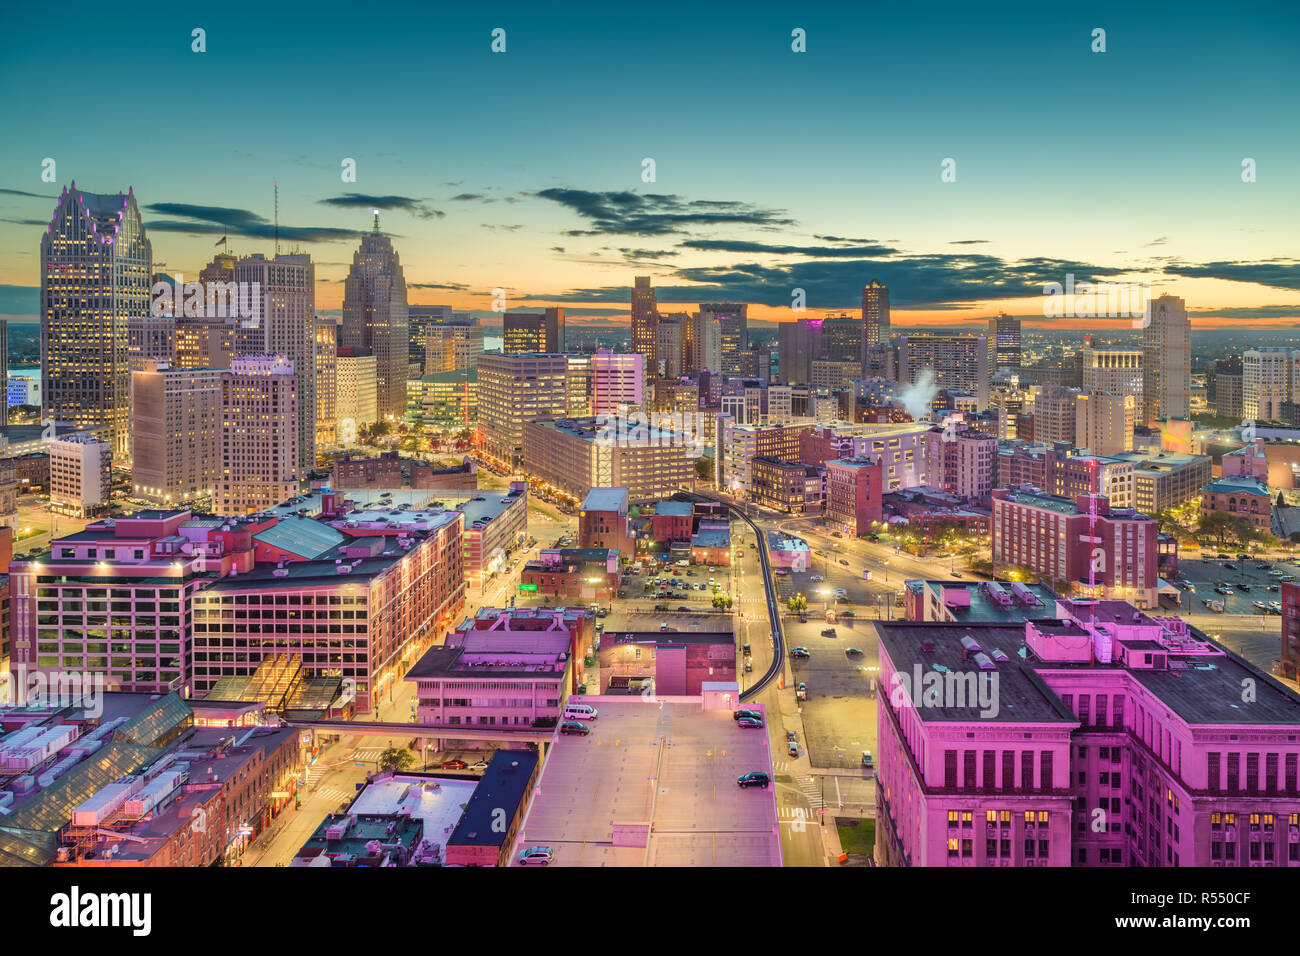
(801, 692)
(750, 722)
(789, 736)
(852, 652)
(755, 778)
(799, 651)
(574, 727)
(749, 665)
(844, 562)
(536, 856)
(736, 715)
(478, 765)
(866, 758)
(455, 764)
(828, 632)
(792, 749)
(1230, 566)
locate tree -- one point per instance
(396, 758)
(704, 468)
(797, 604)
(722, 602)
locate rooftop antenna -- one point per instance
(277, 220)
(376, 212)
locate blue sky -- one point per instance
(523, 170)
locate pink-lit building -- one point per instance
(961, 460)
(1060, 539)
(679, 662)
(494, 679)
(1249, 461)
(616, 379)
(1099, 737)
(510, 624)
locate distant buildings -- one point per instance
(645, 323)
(732, 319)
(955, 361)
(739, 445)
(356, 391)
(1164, 480)
(527, 332)
(1269, 378)
(326, 365)
(96, 266)
(1166, 360)
(452, 344)
(1004, 343)
(875, 316)
(616, 380)
(375, 318)
(1114, 370)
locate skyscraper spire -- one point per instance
(376, 212)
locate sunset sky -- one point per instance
(774, 170)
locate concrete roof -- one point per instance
(665, 762)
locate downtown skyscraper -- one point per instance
(1166, 360)
(375, 318)
(875, 315)
(283, 297)
(645, 323)
(96, 264)
(733, 320)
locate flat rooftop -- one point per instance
(437, 800)
(606, 499)
(665, 762)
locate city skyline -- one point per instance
(504, 192)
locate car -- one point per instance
(789, 736)
(1222, 557)
(755, 778)
(455, 764)
(603, 612)
(1273, 587)
(1230, 566)
(1244, 587)
(1275, 607)
(536, 856)
(841, 592)
(1243, 557)
(1223, 589)
(799, 652)
(661, 607)
(844, 562)
(749, 663)
(750, 722)
(955, 574)
(574, 727)
(478, 765)
(847, 614)
(801, 692)
(1263, 566)
(736, 715)
(792, 749)
(1277, 574)
(866, 758)
(745, 647)
(1259, 605)
(665, 628)
(683, 608)
(836, 534)
(780, 572)
(853, 652)
(816, 578)
(828, 632)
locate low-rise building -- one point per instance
(603, 521)
(580, 574)
(789, 486)
(853, 494)
(1239, 496)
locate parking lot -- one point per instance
(1248, 582)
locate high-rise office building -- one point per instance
(704, 350)
(645, 322)
(327, 412)
(96, 264)
(259, 435)
(616, 379)
(79, 475)
(669, 347)
(356, 391)
(1004, 343)
(513, 389)
(418, 318)
(175, 432)
(1114, 370)
(1103, 422)
(875, 314)
(1166, 360)
(375, 318)
(732, 318)
(451, 344)
(578, 384)
(956, 361)
(1224, 384)
(1269, 377)
(524, 332)
(841, 339)
(282, 292)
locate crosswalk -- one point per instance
(333, 795)
(367, 753)
(812, 790)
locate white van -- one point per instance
(579, 712)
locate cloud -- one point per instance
(454, 286)
(224, 220)
(20, 192)
(647, 255)
(471, 197)
(1257, 312)
(416, 207)
(821, 252)
(654, 214)
(514, 228)
(968, 242)
(1277, 273)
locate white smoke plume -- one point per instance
(916, 398)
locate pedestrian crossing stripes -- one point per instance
(369, 753)
(333, 795)
(813, 791)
